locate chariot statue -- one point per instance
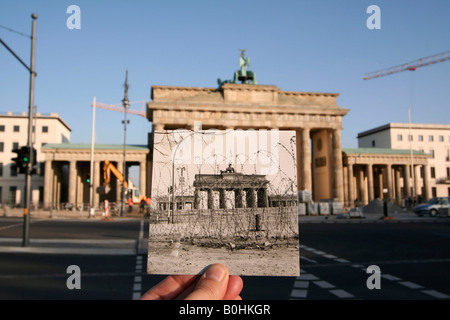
(243, 74)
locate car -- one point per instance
(433, 207)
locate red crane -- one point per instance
(411, 66)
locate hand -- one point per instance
(214, 284)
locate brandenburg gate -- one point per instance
(315, 117)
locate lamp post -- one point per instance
(126, 105)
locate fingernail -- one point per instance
(215, 272)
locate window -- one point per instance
(420, 138)
(432, 153)
(433, 172)
(1, 169)
(13, 172)
(373, 143)
(44, 129)
(441, 138)
(16, 128)
(448, 172)
(433, 192)
(399, 137)
(15, 145)
(1, 146)
(410, 137)
(430, 138)
(2, 128)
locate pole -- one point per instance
(26, 213)
(91, 172)
(126, 105)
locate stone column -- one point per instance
(338, 175)
(222, 200)
(351, 190)
(196, 199)
(142, 178)
(48, 186)
(362, 187)
(380, 183)
(210, 199)
(72, 181)
(398, 189)
(389, 180)
(306, 160)
(426, 182)
(369, 169)
(406, 182)
(416, 181)
(238, 198)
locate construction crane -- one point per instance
(120, 108)
(411, 66)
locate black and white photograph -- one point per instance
(218, 200)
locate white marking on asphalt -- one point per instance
(324, 284)
(299, 293)
(137, 286)
(329, 256)
(436, 294)
(308, 276)
(390, 277)
(341, 293)
(410, 284)
(341, 260)
(301, 284)
(308, 259)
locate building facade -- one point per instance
(432, 139)
(48, 128)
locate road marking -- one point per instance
(298, 284)
(390, 277)
(324, 284)
(299, 293)
(308, 259)
(344, 294)
(436, 294)
(411, 285)
(341, 293)
(137, 286)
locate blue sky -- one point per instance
(319, 46)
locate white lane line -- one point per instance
(301, 284)
(436, 294)
(390, 277)
(308, 276)
(329, 256)
(341, 293)
(308, 259)
(299, 293)
(411, 285)
(341, 260)
(324, 284)
(137, 286)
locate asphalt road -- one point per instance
(413, 258)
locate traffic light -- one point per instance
(17, 165)
(23, 159)
(88, 178)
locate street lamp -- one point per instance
(126, 105)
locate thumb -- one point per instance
(212, 285)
